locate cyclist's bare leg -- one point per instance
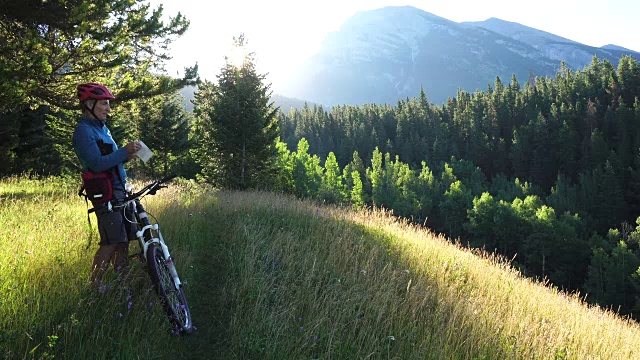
(117, 254)
(120, 258)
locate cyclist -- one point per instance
(98, 153)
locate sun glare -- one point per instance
(237, 56)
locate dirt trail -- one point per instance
(207, 297)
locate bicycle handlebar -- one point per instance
(167, 179)
(151, 188)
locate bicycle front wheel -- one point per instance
(173, 299)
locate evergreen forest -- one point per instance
(546, 174)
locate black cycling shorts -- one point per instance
(116, 226)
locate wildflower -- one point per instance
(391, 338)
(364, 272)
(129, 305)
(149, 304)
(120, 315)
(129, 297)
(315, 337)
(299, 319)
(301, 327)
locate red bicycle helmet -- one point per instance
(94, 91)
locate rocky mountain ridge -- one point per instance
(383, 55)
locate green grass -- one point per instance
(271, 277)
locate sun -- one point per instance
(237, 56)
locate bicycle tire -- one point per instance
(173, 300)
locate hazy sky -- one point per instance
(284, 32)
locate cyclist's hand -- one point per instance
(129, 188)
(132, 149)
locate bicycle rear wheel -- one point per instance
(173, 300)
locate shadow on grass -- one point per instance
(271, 265)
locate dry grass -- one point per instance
(271, 277)
(446, 301)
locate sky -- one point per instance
(282, 33)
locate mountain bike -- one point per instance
(154, 253)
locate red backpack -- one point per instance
(98, 187)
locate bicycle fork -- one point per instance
(150, 230)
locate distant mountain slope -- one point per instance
(285, 103)
(383, 55)
(531, 36)
(616, 47)
(574, 54)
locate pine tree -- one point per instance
(241, 126)
(611, 275)
(520, 154)
(632, 193)
(284, 164)
(481, 226)
(629, 78)
(566, 144)
(307, 172)
(609, 205)
(375, 174)
(357, 191)
(456, 200)
(49, 47)
(165, 130)
(543, 165)
(425, 191)
(9, 129)
(333, 188)
(563, 196)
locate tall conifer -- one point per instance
(241, 125)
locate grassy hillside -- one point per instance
(270, 277)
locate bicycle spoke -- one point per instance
(173, 298)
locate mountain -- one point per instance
(556, 48)
(383, 55)
(285, 103)
(616, 47)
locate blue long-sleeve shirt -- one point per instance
(85, 143)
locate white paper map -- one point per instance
(144, 153)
